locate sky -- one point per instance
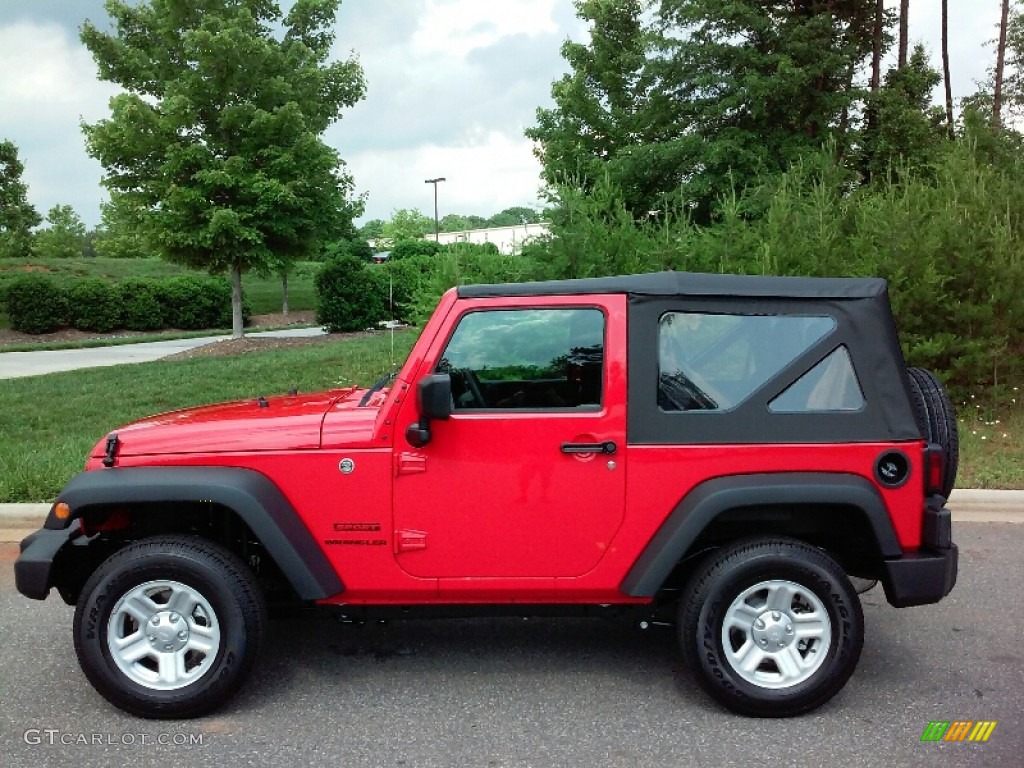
(451, 85)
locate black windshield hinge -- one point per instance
(112, 445)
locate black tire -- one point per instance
(203, 568)
(937, 420)
(714, 591)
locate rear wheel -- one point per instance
(169, 626)
(771, 627)
(937, 420)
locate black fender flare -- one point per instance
(713, 497)
(249, 494)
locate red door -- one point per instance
(527, 477)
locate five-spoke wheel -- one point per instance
(771, 627)
(169, 626)
(163, 635)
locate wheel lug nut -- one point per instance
(182, 635)
(781, 644)
(759, 624)
(764, 643)
(152, 638)
(789, 628)
(155, 620)
(776, 615)
(173, 617)
(168, 647)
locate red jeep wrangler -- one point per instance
(722, 451)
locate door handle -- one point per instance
(608, 446)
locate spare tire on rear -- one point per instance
(937, 420)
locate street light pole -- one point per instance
(437, 225)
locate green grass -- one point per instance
(263, 292)
(992, 447)
(50, 423)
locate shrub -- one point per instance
(402, 280)
(350, 297)
(141, 308)
(405, 249)
(95, 305)
(462, 264)
(190, 302)
(357, 247)
(35, 304)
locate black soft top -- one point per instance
(691, 284)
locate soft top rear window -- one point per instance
(712, 362)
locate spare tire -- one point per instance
(937, 420)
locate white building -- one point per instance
(508, 239)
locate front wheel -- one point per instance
(771, 627)
(169, 627)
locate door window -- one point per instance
(531, 359)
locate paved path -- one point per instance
(14, 365)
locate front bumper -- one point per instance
(928, 575)
(33, 570)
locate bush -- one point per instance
(402, 280)
(464, 264)
(406, 249)
(35, 304)
(95, 305)
(350, 297)
(358, 248)
(141, 308)
(192, 303)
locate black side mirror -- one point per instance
(433, 401)
(434, 396)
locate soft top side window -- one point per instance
(831, 385)
(710, 362)
(532, 359)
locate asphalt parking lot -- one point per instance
(513, 692)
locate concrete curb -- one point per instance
(968, 505)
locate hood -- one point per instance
(290, 422)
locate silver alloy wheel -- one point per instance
(163, 635)
(776, 634)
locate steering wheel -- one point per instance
(473, 387)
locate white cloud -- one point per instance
(971, 25)
(456, 27)
(452, 84)
(485, 173)
(48, 86)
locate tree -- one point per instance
(1013, 79)
(515, 215)
(997, 94)
(17, 215)
(453, 222)
(904, 32)
(217, 135)
(907, 129)
(121, 234)
(406, 224)
(601, 107)
(945, 68)
(64, 238)
(372, 230)
(707, 98)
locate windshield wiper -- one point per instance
(375, 389)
